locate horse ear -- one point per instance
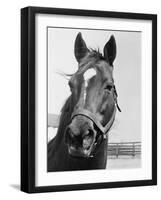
(110, 50)
(80, 48)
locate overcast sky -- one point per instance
(127, 75)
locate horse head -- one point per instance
(94, 98)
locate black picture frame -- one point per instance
(28, 98)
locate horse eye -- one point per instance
(109, 87)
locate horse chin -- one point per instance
(79, 152)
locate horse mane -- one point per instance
(93, 53)
(96, 53)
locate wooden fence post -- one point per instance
(117, 150)
(133, 149)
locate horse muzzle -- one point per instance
(80, 140)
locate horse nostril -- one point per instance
(69, 131)
(88, 138)
(89, 132)
(68, 135)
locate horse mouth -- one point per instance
(80, 147)
(79, 152)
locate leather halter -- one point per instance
(104, 129)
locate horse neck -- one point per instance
(64, 119)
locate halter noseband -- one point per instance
(104, 129)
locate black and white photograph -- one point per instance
(94, 99)
(89, 84)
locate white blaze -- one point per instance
(87, 76)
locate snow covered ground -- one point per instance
(126, 162)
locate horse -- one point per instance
(88, 114)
